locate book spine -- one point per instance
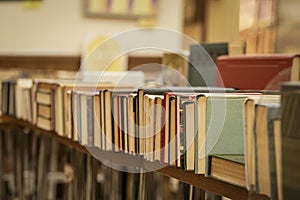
(90, 120)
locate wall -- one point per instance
(288, 27)
(222, 20)
(222, 24)
(59, 27)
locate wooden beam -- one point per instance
(70, 63)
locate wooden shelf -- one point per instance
(224, 189)
(32, 62)
(210, 184)
(7, 121)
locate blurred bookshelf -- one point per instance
(64, 132)
(198, 180)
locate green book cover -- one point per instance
(224, 126)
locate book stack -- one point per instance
(46, 93)
(57, 94)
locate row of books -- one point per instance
(36, 166)
(196, 129)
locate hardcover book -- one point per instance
(265, 150)
(220, 131)
(256, 72)
(229, 168)
(202, 65)
(290, 131)
(189, 130)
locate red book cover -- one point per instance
(120, 127)
(254, 72)
(165, 128)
